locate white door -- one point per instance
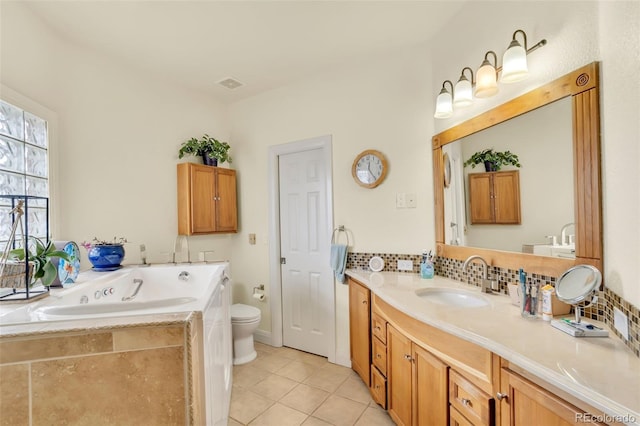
(307, 280)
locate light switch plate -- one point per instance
(252, 239)
(411, 200)
(405, 265)
(621, 322)
(401, 201)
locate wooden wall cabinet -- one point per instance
(207, 200)
(494, 197)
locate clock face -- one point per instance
(369, 168)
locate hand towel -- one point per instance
(339, 260)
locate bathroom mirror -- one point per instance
(546, 162)
(577, 284)
(580, 89)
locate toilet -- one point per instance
(244, 321)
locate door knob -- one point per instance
(501, 396)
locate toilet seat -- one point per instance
(244, 313)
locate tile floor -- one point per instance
(284, 387)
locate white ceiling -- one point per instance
(264, 44)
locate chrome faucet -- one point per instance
(564, 238)
(135, 292)
(487, 285)
(181, 245)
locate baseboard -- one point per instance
(262, 336)
(345, 361)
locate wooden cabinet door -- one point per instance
(226, 214)
(481, 198)
(430, 396)
(202, 200)
(506, 197)
(399, 376)
(494, 197)
(529, 404)
(207, 200)
(359, 329)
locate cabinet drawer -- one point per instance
(378, 388)
(379, 355)
(471, 402)
(457, 419)
(379, 327)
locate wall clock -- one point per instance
(369, 168)
(447, 169)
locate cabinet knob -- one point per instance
(407, 357)
(378, 328)
(466, 402)
(364, 302)
(378, 356)
(501, 396)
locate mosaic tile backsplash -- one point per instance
(602, 310)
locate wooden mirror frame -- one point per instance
(583, 87)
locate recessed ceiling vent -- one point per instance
(230, 83)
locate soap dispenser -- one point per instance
(426, 265)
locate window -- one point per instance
(24, 158)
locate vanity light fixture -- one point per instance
(486, 77)
(514, 61)
(444, 102)
(463, 92)
(514, 68)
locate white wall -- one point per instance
(620, 102)
(117, 140)
(384, 104)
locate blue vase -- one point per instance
(106, 257)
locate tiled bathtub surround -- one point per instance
(602, 310)
(113, 375)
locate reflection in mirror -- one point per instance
(542, 139)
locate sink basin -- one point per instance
(453, 297)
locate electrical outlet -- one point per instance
(621, 322)
(411, 201)
(405, 265)
(401, 201)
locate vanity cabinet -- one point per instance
(494, 197)
(207, 200)
(359, 330)
(417, 383)
(527, 404)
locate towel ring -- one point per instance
(336, 234)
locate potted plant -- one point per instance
(493, 160)
(40, 259)
(212, 150)
(105, 255)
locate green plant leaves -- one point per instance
(43, 269)
(206, 144)
(498, 158)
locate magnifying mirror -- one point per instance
(577, 286)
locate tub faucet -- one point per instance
(564, 238)
(182, 246)
(135, 292)
(487, 285)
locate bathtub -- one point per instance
(149, 290)
(102, 294)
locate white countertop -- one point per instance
(602, 372)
